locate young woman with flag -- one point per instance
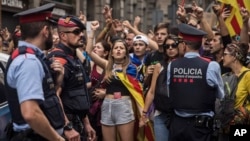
(118, 117)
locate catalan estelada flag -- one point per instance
(234, 21)
(135, 88)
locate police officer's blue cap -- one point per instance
(42, 13)
(71, 21)
(190, 33)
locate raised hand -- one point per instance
(109, 23)
(137, 21)
(94, 25)
(217, 9)
(126, 24)
(83, 18)
(197, 11)
(107, 12)
(181, 12)
(225, 13)
(245, 14)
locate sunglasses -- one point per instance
(174, 45)
(76, 31)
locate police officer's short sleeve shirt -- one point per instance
(26, 75)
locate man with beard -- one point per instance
(34, 106)
(73, 91)
(217, 49)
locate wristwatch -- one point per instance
(68, 127)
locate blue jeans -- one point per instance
(160, 127)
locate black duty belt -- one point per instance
(200, 120)
(204, 121)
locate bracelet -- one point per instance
(105, 29)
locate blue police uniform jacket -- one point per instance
(191, 93)
(213, 79)
(40, 86)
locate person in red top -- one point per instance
(98, 90)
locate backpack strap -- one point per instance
(21, 50)
(230, 81)
(240, 77)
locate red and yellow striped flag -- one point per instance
(135, 88)
(234, 21)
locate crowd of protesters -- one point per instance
(123, 83)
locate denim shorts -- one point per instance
(117, 111)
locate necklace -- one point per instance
(117, 67)
(120, 63)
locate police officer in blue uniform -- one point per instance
(35, 108)
(194, 83)
(73, 92)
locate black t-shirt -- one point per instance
(224, 69)
(154, 57)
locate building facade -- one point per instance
(150, 11)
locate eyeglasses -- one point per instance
(76, 31)
(174, 45)
(138, 44)
(226, 53)
(233, 45)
